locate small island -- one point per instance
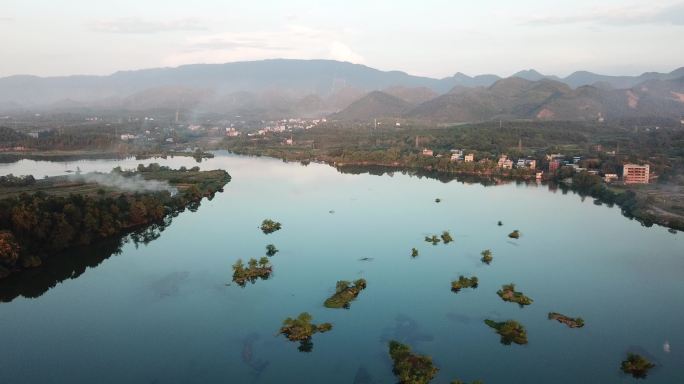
(414, 252)
(270, 226)
(576, 322)
(446, 237)
(255, 270)
(510, 331)
(271, 250)
(508, 293)
(409, 367)
(514, 235)
(636, 365)
(438, 200)
(499, 223)
(345, 293)
(432, 239)
(464, 282)
(301, 329)
(487, 256)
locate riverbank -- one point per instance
(39, 218)
(649, 204)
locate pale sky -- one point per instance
(434, 38)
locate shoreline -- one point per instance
(635, 206)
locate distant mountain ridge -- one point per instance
(518, 98)
(280, 87)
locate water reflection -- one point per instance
(405, 330)
(486, 181)
(256, 365)
(363, 376)
(71, 264)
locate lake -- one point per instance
(164, 312)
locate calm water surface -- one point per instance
(163, 312)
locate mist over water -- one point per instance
(135, 183)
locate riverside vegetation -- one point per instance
(508, 293)
(576, 322)
(464, 282)
(487, 256)
(345, 145)
(270, 226)
(510, 331)
(409, 367)
(39, 218)
(345, 293)
(256, 269)
(636, 365)
(446, 237)
(301, 329)
(271, 250)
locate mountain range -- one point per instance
(282, 88)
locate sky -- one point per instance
(435, 38)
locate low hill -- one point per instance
(414, 96)
(376, 104)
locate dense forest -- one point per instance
(36, 225)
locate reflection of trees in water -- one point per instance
(258, 366)
(34, 282)
(607, 198)
(305, 345)
(377, 170)
(363, 376)
(405, 330)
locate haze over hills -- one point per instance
(376, 104)
(517, 98)
(281, 88)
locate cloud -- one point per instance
(342, 52)
(664, 14)
(6, 19)
(139, 26)
(291, 41)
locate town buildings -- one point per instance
(635, 174)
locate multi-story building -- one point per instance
(469, 158)
(635, 174)
(554, 165)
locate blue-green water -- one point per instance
(162, 312)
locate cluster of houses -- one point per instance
(287, 125)
(456, 155)
(631, 173)
(506, 163)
